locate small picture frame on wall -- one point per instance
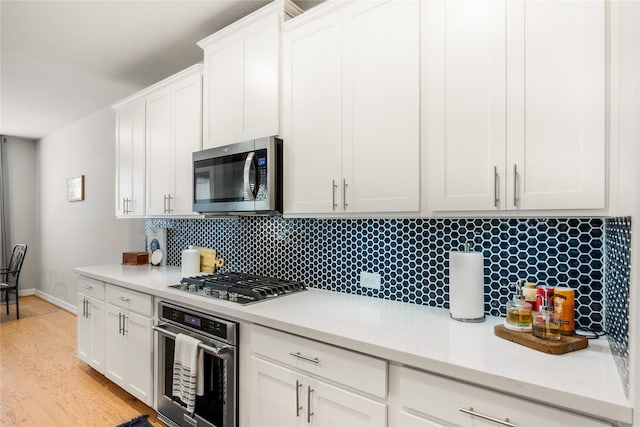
(75, 189)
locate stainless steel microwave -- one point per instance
(242, 178)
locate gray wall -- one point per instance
(82, 233)
(21, 201)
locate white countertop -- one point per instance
(424, 337)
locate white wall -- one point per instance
(20, 187)
(625, 158)
(81, 233)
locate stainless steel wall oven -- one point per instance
(219, 337)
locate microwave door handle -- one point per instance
(248, 163)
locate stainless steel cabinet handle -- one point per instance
(87, 304)
(84, 285)
(84, 307)
(123, 299)
(119, 323)
(169, 197)
(247, 171)
(124, 325)
(333, 194)
(303, 357)
(515, 185)
(124, 205)
(164, 204)
(309, 413)
(496, 197)
(344, 194)
(298, 407)
(473, 413)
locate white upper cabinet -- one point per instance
(313, 116)
(352, 109)
(130, 152)
(241, 97)
(513, 97)
(173, 134)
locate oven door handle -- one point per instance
(221, 352)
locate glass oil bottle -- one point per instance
(546, 323)
(519, 315)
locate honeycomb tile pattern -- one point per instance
(617, 275)
(411, 255)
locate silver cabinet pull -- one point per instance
(123, 299)
(473, 413)
(169, 198)
(298, 407)
(164, 204)
(309, 413)
(84, 307)
(515, 185)
(119, 323)
(303, 357)
(124, 205)
(496, 197)
(344, 194)
(87, 304)
(334, 205)
(84, 285)
(247, 172)
(124, 325)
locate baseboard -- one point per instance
(55, 301)
(26, 292)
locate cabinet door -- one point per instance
(556, 104)
(83, 338)
(463, 120)
(159, 155)
(116, 362)
(277, 398)
(222, 93)
(313, 116)
(381, 106)
(260, 78)
(95, 313)
(334, 406)
(138, 334)
(130, 159)
(188, 138)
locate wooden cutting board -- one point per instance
(566, 344)
(209, 260)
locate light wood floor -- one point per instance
(43, 383)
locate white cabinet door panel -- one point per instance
(116, 363)
(223, 92)
(464, 103)
(273, 396)
(260, 108)
(333, 406)
(313, 116)
(130, 159)
(381, 143)
(188, 138)
(556, 51)
(159, 156)
(138, 333)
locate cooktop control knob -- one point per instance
(223, 294)
(233, 296)
(193, 288)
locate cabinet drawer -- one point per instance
(346, 367)
(131, 300)
(423, 397)
(91, 288)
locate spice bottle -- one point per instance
(564, 306)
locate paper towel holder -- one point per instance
(468, 314)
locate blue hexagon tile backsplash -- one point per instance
(411, 255)
(590, 255)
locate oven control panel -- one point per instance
(200, 322)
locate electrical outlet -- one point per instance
(370, 280)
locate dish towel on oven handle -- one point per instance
(188, 366)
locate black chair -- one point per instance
(10, 275)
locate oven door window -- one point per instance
(211, 405)
(222, 179)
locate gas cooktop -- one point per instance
(242, 288)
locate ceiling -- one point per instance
(63, 60)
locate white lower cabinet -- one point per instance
(90, 336)
(420, 399)
(129, 342)
(307, 386)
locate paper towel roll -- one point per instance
(466, 286)
(190, 262)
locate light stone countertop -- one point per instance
(585, 381)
